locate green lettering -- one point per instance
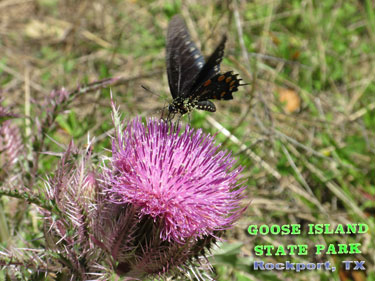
(319, 249)
(296, 229)
(291, 248)
(264, 229)
(352, 228)
(253, 229)
(302, 250)
(363, 228)
(318, 229)
(258, 249)
(353, 248)
(285, 230)
(311, 228)
(331, 250)
(327, 230)
(280, 251)
(275, 229)
(340, 229)
(343, 249)
(268, 249)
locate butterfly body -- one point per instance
(192, 81)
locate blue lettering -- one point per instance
(347, 264)
(300, 266)
(258, 265)
(270, 266)
(327, 265)
(359, 265)
(289, 265)
(311, 266)
(280, 266)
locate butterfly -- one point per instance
(192, 80)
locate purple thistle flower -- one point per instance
(182, 181)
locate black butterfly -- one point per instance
(193, 81)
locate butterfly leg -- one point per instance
(162, 115)
(179, 119)
(175, 124)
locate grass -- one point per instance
(312, 164)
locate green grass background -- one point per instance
(312, 165)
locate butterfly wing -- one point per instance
(219, 87)
(184, 60)
(210, 68)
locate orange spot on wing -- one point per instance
(223, 94)
(208, 82)
(232, 83)
(221, 78)
(228, 79)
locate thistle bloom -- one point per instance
(153, 212)
(179, 179)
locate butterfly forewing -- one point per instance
(184, 60)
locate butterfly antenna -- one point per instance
(273, 58)
(150, 91)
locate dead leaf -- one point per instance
(290, 99)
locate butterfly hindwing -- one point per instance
(219, 87)
(184, 60)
